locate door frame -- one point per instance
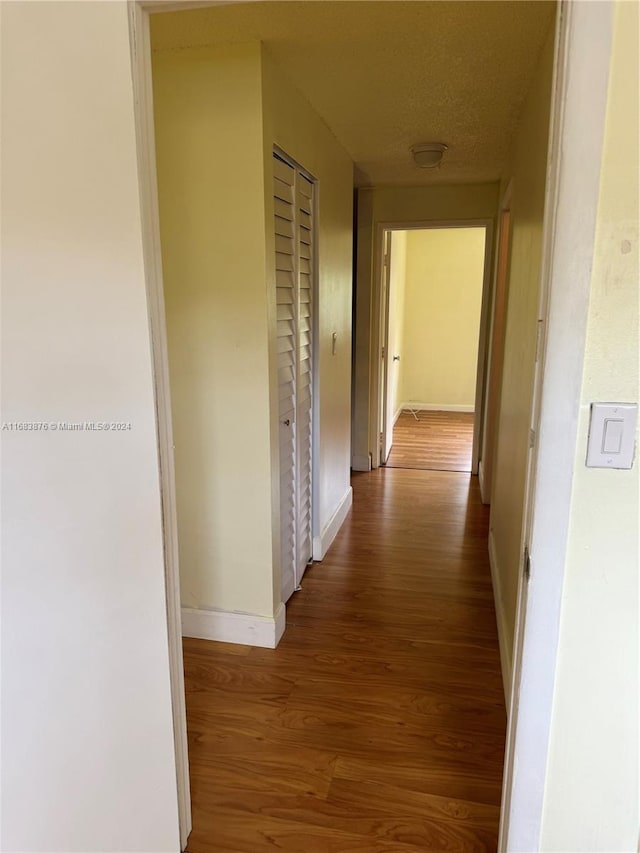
(579, 99)
(140, 40)
(385, 292)
(503, 241)
(583, 46)
(380, 328)
(315, 357)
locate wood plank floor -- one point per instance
(378, 724)
(436, 441)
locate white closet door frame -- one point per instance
(286, 158)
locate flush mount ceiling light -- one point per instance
(427, 155)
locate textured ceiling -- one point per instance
(385, 75)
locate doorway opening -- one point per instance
(433, 293)
(374, 389)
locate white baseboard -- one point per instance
(361, 462)
(247, 629)
(438, 407)
(506, 664)
(397, 414)
(483, 496)
(322, 543)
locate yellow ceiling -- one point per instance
(385, 75)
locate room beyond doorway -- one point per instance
(432, 441)
(432, 317)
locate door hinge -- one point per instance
(382, 353)
(539, 339)
(526, 565)
(532, 438)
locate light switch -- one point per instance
(612, 434)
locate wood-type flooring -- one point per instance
(434, 441)
(378, 724)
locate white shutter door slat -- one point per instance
(285, 311)
(284, 294)
(283, 227)
(305, 187)
(284, 209)
(284, 263)
(282, 190)
(283, 171)
(286, 245)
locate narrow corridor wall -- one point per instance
(527, 169)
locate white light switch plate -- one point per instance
(612, 435)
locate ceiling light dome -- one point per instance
(427, 155)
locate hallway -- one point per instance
(378, 724)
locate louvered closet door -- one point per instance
(304, 390)
(293, 207)
(286, 302)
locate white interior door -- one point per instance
(294, 244)
(386, 408)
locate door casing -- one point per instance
(581, 69)
(381, 327)
(290, 161)
(495, 347)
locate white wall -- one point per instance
(87, 742)
(394, 205)
(444, 277)
(591, 795)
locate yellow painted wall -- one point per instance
(219, 112)
(528, 171)
(397, 205)
(445, 269)
(292, 124)
(208, 105)
(397, 291)
(591, 796)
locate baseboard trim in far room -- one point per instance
(247, 629)
(505, 646)
(361, 463)
(437, 407)
(322, 543)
